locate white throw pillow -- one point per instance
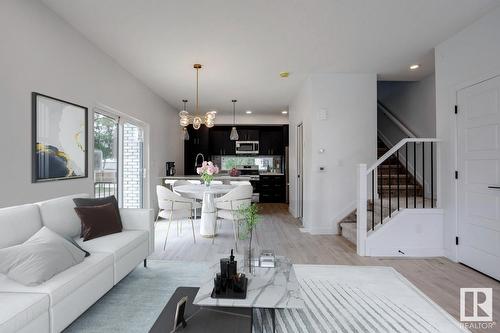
(42, 256)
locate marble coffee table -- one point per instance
(268, 288)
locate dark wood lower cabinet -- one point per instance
(272, 188)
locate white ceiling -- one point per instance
(243, 45)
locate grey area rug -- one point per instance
(136, 301)
(338, 299)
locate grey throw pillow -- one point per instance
(38, 259)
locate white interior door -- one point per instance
(478, 123)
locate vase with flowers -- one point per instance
(207, 171)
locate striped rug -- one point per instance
(357, 299)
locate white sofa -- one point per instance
(53, 305)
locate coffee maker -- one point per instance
(170, 169)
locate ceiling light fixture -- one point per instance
(197, 120)
(284, 112)
(185, 133)
(234, 133)
(248, 112)
(415, 66)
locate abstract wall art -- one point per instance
(59, 139)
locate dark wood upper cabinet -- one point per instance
(271, 140)
(220, 142)
(248, 134)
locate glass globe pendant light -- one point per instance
(234, 133)
(185, 118)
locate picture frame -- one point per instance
(179, 313)
(59, 144)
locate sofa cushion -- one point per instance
(118, 244)
(42, 256)
(18, 223)
(98, 221)
(19, 309)
(86, 202)
(59, 215)
(64, 283)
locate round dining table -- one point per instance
(208, 209)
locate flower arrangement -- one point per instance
(207, 171)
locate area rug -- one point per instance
(338, 299)
(358, 299)
(136, 301)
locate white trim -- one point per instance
(395, 120)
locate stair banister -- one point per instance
(396, 148)
(362, 189)
(388, 113)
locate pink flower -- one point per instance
(198, 171)
(204, 164)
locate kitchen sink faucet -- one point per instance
(196, 160)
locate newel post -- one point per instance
(362, 198)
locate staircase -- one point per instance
(390, 173)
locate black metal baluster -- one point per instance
(432, 174)
(414, 174)
(423, 174)
(390, 199)
(406, 173)
(373, 199)
(397, 172)
(381, 195)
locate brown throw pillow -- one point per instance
(85, 202)
(98, 221)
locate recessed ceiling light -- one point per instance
(248, 112)
(415, 66)
(284, 111)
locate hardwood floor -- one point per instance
(439, 278)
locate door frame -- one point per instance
(457, 89)
(300, 175)
(122, 118)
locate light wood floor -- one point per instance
(439, 278)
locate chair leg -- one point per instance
(192, 227)
(235, 235)
(168, 229)
(215, 230)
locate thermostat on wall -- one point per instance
(323, 114)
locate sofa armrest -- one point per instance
(139, 219)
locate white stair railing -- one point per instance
(416, 156)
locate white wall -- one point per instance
(348, 137)
(413, 103)
(42, 53)
(414, 232)
(470, 56)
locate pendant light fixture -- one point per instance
(185, 133)
(197, 120)
(234, 133)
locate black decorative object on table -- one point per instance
(229, 283)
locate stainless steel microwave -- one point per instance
(247, 147)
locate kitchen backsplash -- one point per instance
(265, 163)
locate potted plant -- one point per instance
(207, 171)
(250, 217)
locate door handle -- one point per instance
(494, 187)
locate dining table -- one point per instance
(208, 210)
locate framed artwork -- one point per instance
(59, 139)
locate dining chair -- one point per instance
(174, 207)
(229, 205)
(182, 182)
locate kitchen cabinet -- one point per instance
(220, 142)
(248, 134)
(198, 143)
(272, 188)
(271, 140)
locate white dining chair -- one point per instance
(229, 206)
(174, 207)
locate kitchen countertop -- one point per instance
(196, 177)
